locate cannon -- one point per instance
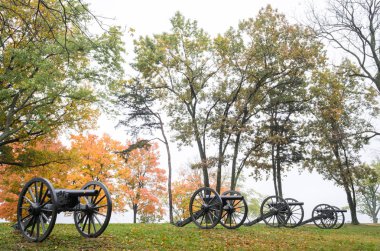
(208, 208)
(323, 215)
(326, 217)
(39, 203)
(274, 211)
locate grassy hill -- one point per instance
(168, 237)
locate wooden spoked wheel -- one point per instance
(275, 211)
(96, 211)
(296, 213)
(36, 209)
(205, 208)
(234, 211)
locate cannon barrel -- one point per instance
(295, 203)
(341, 211)
(232, 197)
(77, 193)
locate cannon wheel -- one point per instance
(92, 221)
(205, 208)
(234, 212)
(327, 222)
(273, 204)
(340, 219)
(296, 214)
(36, 209)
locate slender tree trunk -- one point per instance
(219, 177)
(377, 80)
(134, 213)
(170, 196)
(219, 174)
(352, 205)
(234, 161)
(201, 147)
(350, 194)
(220, 161)
(170, 184)
(278, 166)
(202, 153)
(274, 171)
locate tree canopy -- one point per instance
(52, 69)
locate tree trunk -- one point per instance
(201, 148)
(202, 154)
(219, 176)
(134, 213)
(166, 142)
(234, 161)
(350, 197)
(274, 171)
(278, 166)
(374, 219)
(352, 205)
(377, 80)
(220, 161)
(170, 184)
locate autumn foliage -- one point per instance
(138, 181)
(183, 189)
(143, 183)
(50, 151)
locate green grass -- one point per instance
(168, 237)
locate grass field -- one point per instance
(168, 237)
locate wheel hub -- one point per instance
(229, 208)
(205, 207)
(35, 209)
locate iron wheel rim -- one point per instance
(93, 221)
(36, 210)
(236, 215)
(281, 214)
(294, 221)
(205, 208)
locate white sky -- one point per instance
(149, 17)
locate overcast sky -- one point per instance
(149, 17)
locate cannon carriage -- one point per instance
(39, 203)
(323, 216)
(207, 209)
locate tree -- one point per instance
(284, 127)
(212, 90)
(354, 27)
(178, 67)
(52, 69)
(264, 54)
(142, 114)
(142, 182)
(369, 193)
(95, 159)
(342, 108)
(53, 161)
